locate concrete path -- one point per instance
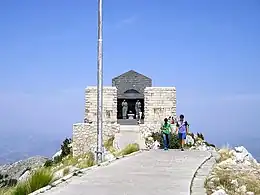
(152, 173)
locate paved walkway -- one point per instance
(153, 172)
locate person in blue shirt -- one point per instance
(182, 129)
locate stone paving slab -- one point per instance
(153, 172)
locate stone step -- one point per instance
(125, 138)
(129, 128)
(129, 134)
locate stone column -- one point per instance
(109, 104)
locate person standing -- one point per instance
(138, 109)
(166, 130)
(182, 129)
(124, 109)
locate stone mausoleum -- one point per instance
(154, 104)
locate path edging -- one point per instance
(199, 167)
(81, 172)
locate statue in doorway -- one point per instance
(138, 109)
(124, 109)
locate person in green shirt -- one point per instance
(166, 130)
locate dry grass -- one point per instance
(87, 161)
(6, 191)
(108, 144)
(70, 160)
(227, 178)
(232, 177)
(130, 148)
(39, 179)
(66, 171)
(224, 180)
(81, 161)
(224, 154)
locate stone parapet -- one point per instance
(85, 136)
(109, 104)
(147, 129)
(159, 103)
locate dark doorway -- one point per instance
(131, 107)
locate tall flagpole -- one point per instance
(99, 152)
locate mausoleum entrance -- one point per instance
(131, 103)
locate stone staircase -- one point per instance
(129, 134)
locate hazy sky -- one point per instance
(209, 50)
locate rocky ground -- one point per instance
(10, 174)
(235, 173)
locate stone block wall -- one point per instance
(147, 129)
(85, 136)
(159, 103)
(109, 104)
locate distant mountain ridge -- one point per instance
(19, 147)
(14, 156)
(11, 153)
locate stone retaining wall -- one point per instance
(85, 136)
(146, 129)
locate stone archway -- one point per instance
(131, 96)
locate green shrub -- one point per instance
(130, 148)
(192, 135)
(48, 163)
(174, 141)
(210, 145)
(200, 135)
(39, 179)
(65, 148)
(65, 151)
(57, 159)
(21, 189)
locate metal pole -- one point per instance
(99, 153)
